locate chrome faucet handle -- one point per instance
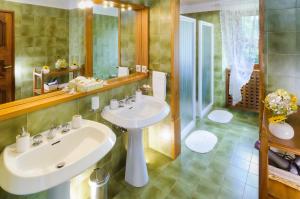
(37, 140)
(65, 128)
(121, 103)
(129, 100)
(52, 132)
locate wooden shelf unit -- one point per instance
(40, 78)
(270, 188)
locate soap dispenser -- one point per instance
(22, 141)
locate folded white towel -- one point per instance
(159, 85)
(123, 71)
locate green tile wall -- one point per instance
(106, 47)
(160, 36)
(282, 49)
(219, 74)
(41, 35)
(160, 60)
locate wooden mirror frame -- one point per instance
(142, 34)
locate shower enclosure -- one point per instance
(205, 68)
(187, 74)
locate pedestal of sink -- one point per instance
(136, 169)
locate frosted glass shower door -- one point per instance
(187, 74)
(206, 68)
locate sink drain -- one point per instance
(60, 165)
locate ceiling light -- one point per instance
(122, 9)
(129, 8)
(83, 4)
(111, 4)
(89, 3)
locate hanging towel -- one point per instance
(123, 71)
(159, 84)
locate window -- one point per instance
(249, 32)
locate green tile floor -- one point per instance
(229, 171)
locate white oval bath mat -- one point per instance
(220, 116)
(201, 141)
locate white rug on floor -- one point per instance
(201, 141)
(220, 116)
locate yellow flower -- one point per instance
(46, 67)
(277, 119)
(294, 107)
(294, 99)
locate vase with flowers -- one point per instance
(281, 104)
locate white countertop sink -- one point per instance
(37, 169)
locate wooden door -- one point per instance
(7, 93)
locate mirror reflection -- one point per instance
(105, 42)
(42, 48)
(114, 35)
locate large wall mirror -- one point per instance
(46, 44)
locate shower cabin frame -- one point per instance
(202, 111)
(192, 123)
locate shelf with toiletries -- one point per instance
(50, 81)
(280, 181)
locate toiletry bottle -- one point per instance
(22, 141)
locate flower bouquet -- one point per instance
(61, 64)
(281, 104)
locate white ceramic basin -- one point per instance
(148, 111)
(36, 169)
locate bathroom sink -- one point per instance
(148, 111)
(134, 117)
(54, 162)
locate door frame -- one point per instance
(12, 13)
(201, 110)
(192, 124)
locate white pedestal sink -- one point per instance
(134, 118)
(54, 162)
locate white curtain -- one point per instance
(240, 33)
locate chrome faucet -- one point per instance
(65, 128)
(37, 140)
(52, 132)
(129, 100)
